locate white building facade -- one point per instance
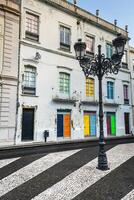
(53, 92)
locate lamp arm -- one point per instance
(110, 66)
(90, 66)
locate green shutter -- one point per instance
(113, 125)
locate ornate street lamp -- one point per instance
(98, 66)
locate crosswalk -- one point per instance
(69, 175)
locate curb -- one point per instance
(37, 148)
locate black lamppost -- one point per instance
(98, 66)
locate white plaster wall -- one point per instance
(49, 66)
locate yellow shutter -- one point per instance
(89, 87)
(86, 125)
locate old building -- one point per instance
(53, 92)
(9, 48)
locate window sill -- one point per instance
(29, 95)
(30, 40)
(65, 50)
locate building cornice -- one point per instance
(84, 15)
(10, 6)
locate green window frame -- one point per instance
(64, 83)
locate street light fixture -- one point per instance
(98, 66)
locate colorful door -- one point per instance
(108, 125)
(126, 119)
(59, 125)
(67, 125)
(63, 124)
(111, 124)
(86, 125)
(89, 124)
(92, 124)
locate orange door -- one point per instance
(67, 128)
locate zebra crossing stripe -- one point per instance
(7, 161)
(81, 179)
(129, 196)
(26, 173)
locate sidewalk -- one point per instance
(42, 147)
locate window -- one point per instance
(89, 87)
(65, 35)
(125, 91)
(32, 26)
(29, 82)
(64, 85)
(90, 44)
(110, 90)
(124, 60)
(109, 50)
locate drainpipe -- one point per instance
(17, 95)
(131, 91)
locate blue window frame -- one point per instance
(110, 90)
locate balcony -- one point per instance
(89, 101)
(124, 65)
(63, 99)
(112, 103)
(126, 101)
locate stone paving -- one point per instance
(69, 175)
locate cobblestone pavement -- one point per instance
(69, 175)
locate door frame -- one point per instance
(63, 112)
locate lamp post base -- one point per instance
(102, 161)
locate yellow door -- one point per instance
(86, 125)
(67, 128)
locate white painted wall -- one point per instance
(52, 61)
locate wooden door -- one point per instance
(86, 125)
(59, 125)
(92, 124)
(126, 119)
(67, 127)
(27, 124)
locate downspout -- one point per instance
(1, 72)
(131, 91)
(17, 95)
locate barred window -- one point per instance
(109, 50)
(90, 44)
(89, 87)
(110, 90)
(32, 26)
(29, 83)
(64, 83)
(125, 91)
(65, 35)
